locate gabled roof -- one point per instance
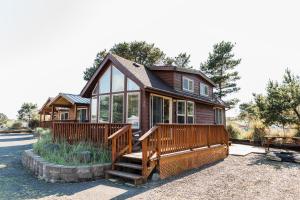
(72, 98)
(144, 77)
(46, 104)
(180, 69)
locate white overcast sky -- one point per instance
(46, 45)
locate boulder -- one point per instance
(273, 156)
(155, 177)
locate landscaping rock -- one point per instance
(155, 177)
(51, 147)
(273, 156)
(84, 156)
(84, 173)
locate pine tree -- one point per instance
(220, 68)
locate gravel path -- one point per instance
(250, 177)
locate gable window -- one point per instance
(181, 111)
(133, 110)
(117, 108)
(117, 80)
(94, 109)
(104, 108)
(187, 84)
(131, 86)
(219, 116)
(203, 89)
(190, 112)
(104, 86)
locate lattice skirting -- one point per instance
(171, 165)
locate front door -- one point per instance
(160, 110)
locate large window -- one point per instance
(180, 111)
(94, 109)
(81, 114)
(133, 109)
(190, 112)
(203, 89)
(112, 104)
(117, 108)
(131, 85)
(187, 84)
(117, 80)
(219, 116)
(104, 108)
(64, 115)
(105, 82)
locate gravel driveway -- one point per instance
(250, 177)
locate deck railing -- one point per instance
(170, 138)
(121, 143)
(95, 133)
(49, 124)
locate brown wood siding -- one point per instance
(145, 114)
(197, 81)
(166, 76)
(204, 114)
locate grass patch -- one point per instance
(67, 154)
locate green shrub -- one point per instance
(34, 123)
(259, 132)
(16, 125)
(233, 132)
(38, 132)
(67, 154)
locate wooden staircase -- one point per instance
(128, 168)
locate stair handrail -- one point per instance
(121, 143)
(147, 154)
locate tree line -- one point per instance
(279, 106)
(220, 65)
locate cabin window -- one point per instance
(117, 108)
(190, 112)
(82, 114)
(203, 89)
(133, 111)
(180, 111)
(219, 116)
(104, 108)
(188, 84)
(94, 109)
(131, 86)
(104, 86)
(117, 80)
(64, 116)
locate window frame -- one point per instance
(177, 113)
(205, 86)
(187, 113)
(188, 89)
(111, 106)
(113, 68)
(139, 108)
(99, 110)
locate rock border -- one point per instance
(283, 156)
(60, 173)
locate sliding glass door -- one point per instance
(160, 110)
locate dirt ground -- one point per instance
(249, 177)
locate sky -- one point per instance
(45, 45)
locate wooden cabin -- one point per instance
(155, 117)
(122, 91)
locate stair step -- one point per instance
(124, 174)
(129, 165)
(135, 155)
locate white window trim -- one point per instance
(193, 111)
(139, 106)
(98, 107)
(220, 120)
(170, 107)
(204, 85)
(63, 113)
(177, 114)
(111, 104)
(188, 89)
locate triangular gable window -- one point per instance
(95, 91)
(132, 86)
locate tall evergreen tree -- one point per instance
(3, 118)
(138, 51)
(27, 112)
(220, 67)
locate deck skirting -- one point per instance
(177, 163)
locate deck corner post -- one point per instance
(113, 152)
(129, 139)
(208, 137)
(106, 135)
(144, 156)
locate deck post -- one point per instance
(144, 157)
(208, 137)
(106, 135)
(129, 139)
